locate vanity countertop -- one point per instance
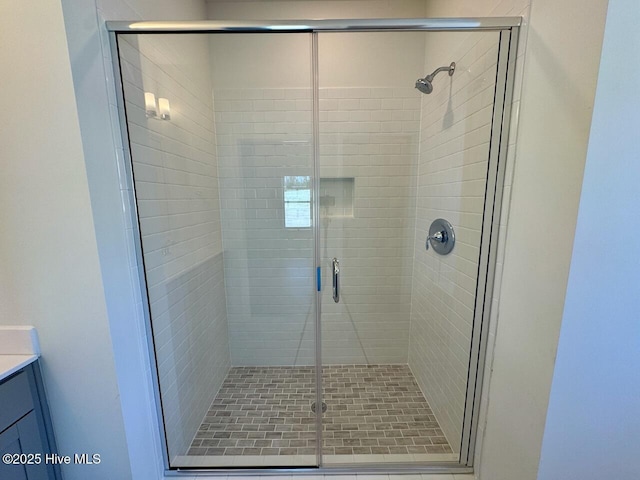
(12, 363)
(18, 348)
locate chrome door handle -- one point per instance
(336, 280)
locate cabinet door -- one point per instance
(10, 443)
(23, 437)
(32, 442)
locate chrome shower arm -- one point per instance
(451, 68)
(424, 85)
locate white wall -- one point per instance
(49, 266)
(273, 67)
(455, 132)
(313, 9)
(283, 63)
(593, 422)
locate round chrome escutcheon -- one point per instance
(441, 237)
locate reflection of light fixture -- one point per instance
(164, 108)
(150, 105)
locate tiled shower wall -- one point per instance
(455, 132)
(175, 170)
(264, 135)
(369, 135)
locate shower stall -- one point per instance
(316, 233)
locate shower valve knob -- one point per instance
(441, 237)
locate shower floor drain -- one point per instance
(313, 407)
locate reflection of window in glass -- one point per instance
(297, 202)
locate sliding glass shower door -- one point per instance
(397, 317)
(223, 186)
(316, 224)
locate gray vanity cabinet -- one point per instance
(25, 427)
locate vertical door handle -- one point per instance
(336, 280)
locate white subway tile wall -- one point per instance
(175, 171)
(263, 136)
(370, 135)
(455, 133)
(367, 134)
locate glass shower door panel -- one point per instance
(397, 318)
(223, 186)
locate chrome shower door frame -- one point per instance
(508, 28)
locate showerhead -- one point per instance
(425, 85)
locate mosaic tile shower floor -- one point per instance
(371, 410)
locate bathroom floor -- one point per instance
(371, 410)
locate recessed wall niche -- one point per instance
(336, 197)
